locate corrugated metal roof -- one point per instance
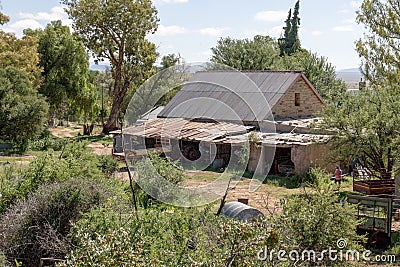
(178, 128)
(232, 95)
(277, 139)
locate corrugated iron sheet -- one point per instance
(178, 128)
(231, 95)
(286, 139)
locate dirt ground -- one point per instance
(101, 149)
(64, 132)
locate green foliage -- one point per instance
(116, 30)
(21, 54)
(318, 71)
(46, 142)
(3, 260)
(379, 48)
(151, 170)
(65, 64)
(112, 236)
(108, 165)
(367, 127)
(315, 176)
(258, 54)
(3, 19)
(316, 221)
(170, 60)
(23, 112)
(175, 237)
(290, 43)
(75, 162)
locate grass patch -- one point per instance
(102, 139)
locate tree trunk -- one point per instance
(119, 95)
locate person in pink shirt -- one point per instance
(338, 176)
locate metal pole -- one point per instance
(102, 104)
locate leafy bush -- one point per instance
(315, 176)
(37, 226)
(108, 165)
(175, 237)
(23, 112)
(46, 143)
(316, 220)
(75, 162)
(150, 170)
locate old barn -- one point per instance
(216, 110)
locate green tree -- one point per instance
(65, 65)
(116, 30)
(23, 112)
(318, 71)
(367, 127)
(260, 53)
(21, 54)
(380, 47)
(170, 60)
(290, 43)
(3, 19)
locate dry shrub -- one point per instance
(38, 226)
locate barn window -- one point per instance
(297, 99)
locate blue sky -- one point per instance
(192, 27)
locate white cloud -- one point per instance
(273, 32)
(316, 33)
(355, 4)
(37, 20)
(343, 29)
(170, 1)
(272, 15)
(343, 11)
(57, 13)
(170, 30)
(252, 33)
(277, 30)
(19, 26)
(213, 31)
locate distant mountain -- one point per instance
(99, 67)
(352, 75)
(350, 70)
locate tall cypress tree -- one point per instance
(287, 28)
(293, 35)
(290, 43)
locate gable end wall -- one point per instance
(309, 103)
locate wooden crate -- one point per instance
(374, 187)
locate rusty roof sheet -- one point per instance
(281, 139)
(178, 128)
(232, 95)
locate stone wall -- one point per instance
(309, 103)
(315, 155)
(303, 157)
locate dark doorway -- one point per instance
(282, 165)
